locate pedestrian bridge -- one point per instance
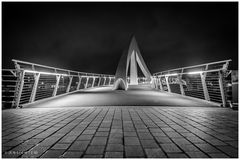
(32, 84)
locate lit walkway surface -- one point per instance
(171, 126)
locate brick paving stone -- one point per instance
(149, 143)
(85, 137)
(173, 134)
(95, 150)
(35, 152)
(163, 140)
(79, 146)
(22, 147)
(134, 152)
(145, 135)
(131, 141)
(52, 154)
(49, 141)
(61, 146)
(218, 155)
(89, 132)
(99, 141)
(114, 148)
(158, 134)
(115, 141)
(12, 143)
(34, 141)
(215, 142)
(92, 156)
(207, 148)
(113, 155)
(233, 143)
(68, 139)
(102, 134)
(116, 135)
(169, 148)
(189, 148)
(180, 141)
(130, 134)
(155, 153)
(195, 139)
(103, 129)
(197, 155)
(72, 154)
(230, 151)
(177, 155)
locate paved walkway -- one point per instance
(196, 132)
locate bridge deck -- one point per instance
(62, 128)
(105, 96)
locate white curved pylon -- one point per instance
(134, 57)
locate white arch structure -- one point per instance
(133, 57)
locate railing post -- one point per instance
(104, 81)
(204, 85)
(222, 88)
(180, 84)
(56, 86)
(79, 82)
(22, 74)
(93, 81)
(69, 84)
(34, 90)
(160, 83)
(86, 83)
(109, 81)
(99, 81)
(168, 86)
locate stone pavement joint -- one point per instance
(120, 132)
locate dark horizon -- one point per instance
(91, 36)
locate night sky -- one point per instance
(90, 36)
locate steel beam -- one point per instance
(69, 84)
(79, 82)
(204, 85)
(220, 80)
(99, 81)
(22, 74)
(93, 81)
(180, 84)
(56, 85)
(104, 83)
(160, 84)
(86, 83)
(168, 86)
(35, 85)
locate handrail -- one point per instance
(194, 66)
(60, 69)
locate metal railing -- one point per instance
(205, 81)
(35, 82)
(9, 83)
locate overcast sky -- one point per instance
(91, 36)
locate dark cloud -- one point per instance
(92, 36)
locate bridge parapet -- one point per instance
(35, 82)
(205, 81)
